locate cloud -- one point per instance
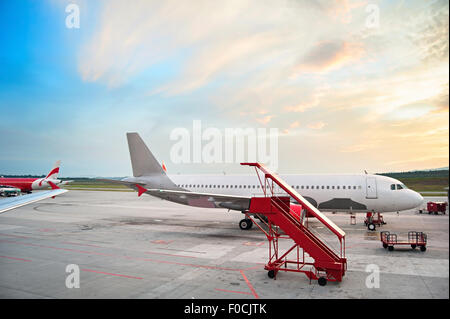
(294, 124)
(249, 62)
(317, 125)
(265, 120)
(302, 107)
(341, 10)
(331, 55)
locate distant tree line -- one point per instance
(416, 174)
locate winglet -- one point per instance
(141, 190)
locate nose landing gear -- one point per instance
(372, 221)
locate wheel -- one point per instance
(420, 211)
(245, 224)
(423, 248)
(385, 246)
(322, 281)
(371, 227)
(391, 248)
(271, 274)
(413, 246)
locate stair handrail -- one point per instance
(299, 198)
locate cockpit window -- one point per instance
(398, 186)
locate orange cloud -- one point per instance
(341, 9)
(317, 125)
(327, 56)
(264, 120)
(294, 124)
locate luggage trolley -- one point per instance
(435, 208)
(415, 239)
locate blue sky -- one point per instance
(345, 97)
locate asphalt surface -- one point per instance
(126, 246)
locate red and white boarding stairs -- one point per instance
(290, 221)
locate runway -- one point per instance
(141, 247)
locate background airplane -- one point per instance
(27, 185)
(347, 193)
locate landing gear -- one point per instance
(322, 281)
(373, 220)
(245, 224)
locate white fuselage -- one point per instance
(349, 193)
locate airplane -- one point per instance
(27, 185)
(352, 193)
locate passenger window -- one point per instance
(343, 187)
(338, 187)
(354, 187)
(312, 187)
(307, 187)
(332, 187)
(302, 187)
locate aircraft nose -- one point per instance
(418, 199)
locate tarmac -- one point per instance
(126, 246)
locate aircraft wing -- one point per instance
(206, 200)
(18, 201)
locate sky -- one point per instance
(350, 85)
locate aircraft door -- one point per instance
(371, 187)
